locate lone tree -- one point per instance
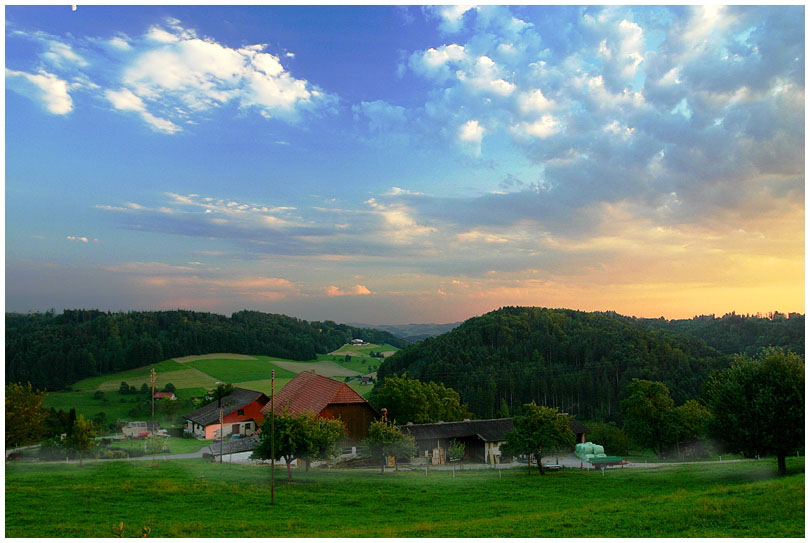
(25, 416)
(304, 436)
(385, 439)
(81, 439)
(539, 430)
(758, 405)
(648, 414)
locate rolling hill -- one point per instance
(577, 361)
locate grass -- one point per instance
(86, 405)
(194, 498)
(264, 385)
(93, 383)
(177, 445)
(238, 371)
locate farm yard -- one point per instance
(740, 499)
(192, 376)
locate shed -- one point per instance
(482, 438)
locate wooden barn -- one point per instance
(242, 415)
(327, 398)
(482, 438)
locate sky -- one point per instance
(394, 164)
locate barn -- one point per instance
(309, 392)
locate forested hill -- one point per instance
(52, 351)
(739, 334)
(577, 361)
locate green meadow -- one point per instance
(195, 498)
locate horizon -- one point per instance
(405, 164)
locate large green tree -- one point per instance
(648, 414)
(385, 439)
(25, 416)
(537, 431)
(758, 405)
(411, 400)
(298, 436)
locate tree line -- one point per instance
(52, 351)
(576, 361)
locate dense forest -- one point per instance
(577, 361)
(748, 335)
(53, 351)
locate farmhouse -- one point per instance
(165, 396)
(482, 438)
(241, 415)
(327, 398)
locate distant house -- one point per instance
(327, 398)
(241, 415)
(482, 438)
(238, 450)
(165, 396)
(358, 342)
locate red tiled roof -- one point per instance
(310, 392)
(164, 394)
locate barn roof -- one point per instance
(310, 392)
(486, 429)
(209, 414)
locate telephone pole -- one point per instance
(153, 378)
(272, 437)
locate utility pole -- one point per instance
(153, 378)
(272, 437)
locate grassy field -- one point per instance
(364, 350)
(177, 445)
(238, 371)
(194, 498)
(130, 376)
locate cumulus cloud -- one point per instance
(82, 239)
(47, 87)
(171, 76)
(451, 17)
(357, 290)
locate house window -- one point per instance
(241, 412)
(247, 426)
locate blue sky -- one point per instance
(405, 164)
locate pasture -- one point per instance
(194, 498)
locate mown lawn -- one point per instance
(177, 445)
(193, 498)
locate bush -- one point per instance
(54, 449)
(98, 395)
(613, 439)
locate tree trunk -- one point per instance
(780, 462)
(529, 463)
(307, 465)
(539, 463)
(658, 450)
(382, 468)
(289, 470)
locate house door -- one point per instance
(235, 429)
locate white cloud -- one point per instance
(470, 134)
(451, 16)
(49, 89)
(542, 128)
(61, 55)
(534, 101)
(357, 290)
(82, 239)
(120, 42)
(126, 100)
